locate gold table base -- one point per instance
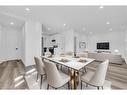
(74, 75)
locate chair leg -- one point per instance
(81, 84)
(68, 85)
(85, 69)
(68, 71)
(57, 66)
(102, 87)
(98, 87)
(37, 77)
(48, 86)
(86, 85)
(41, 81)
(61, 67)
(45, 76)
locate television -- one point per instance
(103, 45)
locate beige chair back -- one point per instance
(53, 76)
(48, 54)
(39, 66)
(99, 77)
(62, 54)
(69, 53)
(85, 55)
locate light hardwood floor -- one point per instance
(12, 74)
(117, 74)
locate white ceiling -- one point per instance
(80, 18)
(8, 20)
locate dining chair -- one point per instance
(60, 55)
(96, 78)
(48, 54)
(55, 78)
(68, 54)
(40, 69)
(64, 55)
(83, 54)
(71, 54)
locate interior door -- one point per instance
(10, 44)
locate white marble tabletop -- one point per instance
(74, 63)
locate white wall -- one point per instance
(125, 49)
(115, 38)
(69, 41)
(22, 36)
(27, 39)
(32, 41)
(10, 39)
(0, 42)
(0, 35)
(46, 40)
(79, 38)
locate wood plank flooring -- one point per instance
(117, 74)
(12, 74)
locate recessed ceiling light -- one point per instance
(27, 9)
(101, 7)
(64, 24)
(116, 50)
(49, 28)
(107, 22)
(12, 23)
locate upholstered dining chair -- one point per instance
(62, 54)
(83, 54)
(69, 53)
(40, 69)
(58, 65)
(55, 78)
(48, 54)
(97, 78)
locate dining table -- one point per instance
(74, 65)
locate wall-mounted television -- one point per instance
(103, 45)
